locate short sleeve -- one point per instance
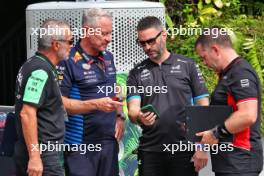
(131, 86)
(34, 92)
(244, 85)
(199, 89)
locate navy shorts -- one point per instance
(93, 163)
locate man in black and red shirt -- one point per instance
(239, 87)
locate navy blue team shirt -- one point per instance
(83, 76)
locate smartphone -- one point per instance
(150, 108)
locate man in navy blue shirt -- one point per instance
(94, 119)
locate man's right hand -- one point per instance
(147, 118)
(106, 104)
(35, 166)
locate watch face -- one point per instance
(215, 132)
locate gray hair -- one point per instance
(52, 29)
(93, 15)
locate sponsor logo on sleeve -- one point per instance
(244, 83)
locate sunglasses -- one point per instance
(151, 41)
(70, 42)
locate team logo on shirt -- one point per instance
(140, 67)
(86, 66)
(19, 79)
(77, 57)
(198, 70)
(60, 76)
(18, 96)
(145, 74)
(176, 69)
(199, 73)
(179, 60)
(110, 69)
(108, 62)
(244, 83)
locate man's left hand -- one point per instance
(200, 159)
(119, 128)
(207, 137)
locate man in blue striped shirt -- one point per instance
(94, 120)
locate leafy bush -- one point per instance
(248, 38)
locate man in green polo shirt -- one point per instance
(39, 109)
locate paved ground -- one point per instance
(207, 170)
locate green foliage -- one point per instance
(248, 41)
(254, 8)
(131, 134)
(136, 172)
(193, 13)
(247, 37)
(251, 55)
(131, 145)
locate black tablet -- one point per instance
(202, 118)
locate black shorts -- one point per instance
(238, 174)
(165, 164)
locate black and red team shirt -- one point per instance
(169, 87)
(239, 83)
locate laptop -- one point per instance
(202, 118)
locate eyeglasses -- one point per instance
(151, 41)
(70, 42)
(106, 33)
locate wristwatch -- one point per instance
(220, 132)
(121, 116)
(215, 133)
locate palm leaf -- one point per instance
(131, 144)
(250, 47)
